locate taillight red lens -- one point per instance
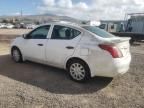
(114, 51)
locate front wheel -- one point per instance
(16, 55)
(79, 70)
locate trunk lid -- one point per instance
(122, 44)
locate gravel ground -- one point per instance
(31, 85)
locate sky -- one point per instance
(81, 9)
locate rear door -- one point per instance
(61, 45)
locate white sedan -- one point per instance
(9, 26)
(30, 26)
(84, 51)
(2, 25)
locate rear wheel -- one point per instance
(78, 70)
(16, 55)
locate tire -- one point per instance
(78, 70)
(16, 55)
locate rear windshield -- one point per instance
(98, 31)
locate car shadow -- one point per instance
(48, 78)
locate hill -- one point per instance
(43, 18)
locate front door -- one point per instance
(35, 43)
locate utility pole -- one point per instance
(21, 13)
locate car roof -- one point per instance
(63, 23)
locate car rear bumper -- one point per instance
(121, 66)
(112, 68)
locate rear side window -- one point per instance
(99, 32)
(64, 33)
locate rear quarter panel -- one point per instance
(97, 59)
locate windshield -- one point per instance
(98, 31)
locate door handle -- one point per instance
(70, 47)
(40, 44)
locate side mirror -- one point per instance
(24, 36)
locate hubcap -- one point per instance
(77, 71)
(16, 55)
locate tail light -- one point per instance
(114, 51)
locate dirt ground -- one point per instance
(14, 31)
(31, 85)
(9, 34)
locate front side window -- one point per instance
(66, 33)
(39, 33)
(98, 31)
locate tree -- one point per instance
(5, 21)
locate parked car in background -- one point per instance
(84, 51)
(9, 26)
(2, 25)
(17, 26)
(30, 26)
